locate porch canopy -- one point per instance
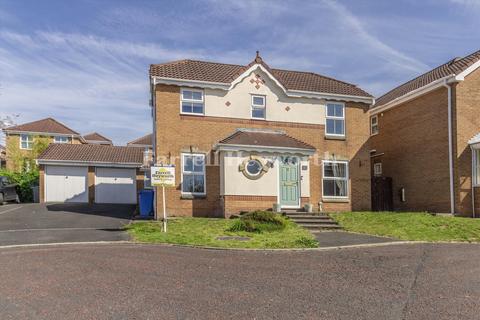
(474, 142)
(262, 140)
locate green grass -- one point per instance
(204, 231)
(411, 226)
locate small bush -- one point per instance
(259, 221)
(25, 181)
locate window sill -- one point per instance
(192, 114)
(193, 196)
(335, 200)
(329, 137)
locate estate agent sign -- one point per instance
(163, 176)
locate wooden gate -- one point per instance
(382, 196)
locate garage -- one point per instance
(115, 185)
(86, 173)
(66, 184)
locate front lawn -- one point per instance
(411, 226)
(205, 231)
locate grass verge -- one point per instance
(205, 231)
(411, 226)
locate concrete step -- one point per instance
(307, 216)
(319, 226)
(314, 221)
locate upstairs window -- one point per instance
(192, 101)
(26, 141)
(60, 139)
(258, 107)
(374, 125)
(335, 119)
(335, 179)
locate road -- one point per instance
(129, 281)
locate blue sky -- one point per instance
(86, 62)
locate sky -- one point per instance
(85, 62)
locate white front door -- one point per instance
(66, 184)
(115, 185)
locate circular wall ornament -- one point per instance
(253, 167)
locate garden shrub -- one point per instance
(25, 181)
(259, 221)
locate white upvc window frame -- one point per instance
(64, 139)
(346, 179)
(192, 101)
(193, 173)
(258, 106)
(147, 179)
(374, 129)
(342, 118)
(28, 141)
(475, 167)
(377, 169)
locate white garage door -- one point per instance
(66, 184)
(115, 185)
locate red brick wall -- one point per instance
(176, 133)
(466, 123)
(414, 139)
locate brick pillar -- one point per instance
(91, 185)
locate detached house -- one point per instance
(20, 140)
(426, 141)
(248, 137)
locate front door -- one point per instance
(289, 182)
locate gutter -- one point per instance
(473, 187)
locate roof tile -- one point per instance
(452, 67)
(227, 73)
(48, 125)
(265, 139)
(93, 153)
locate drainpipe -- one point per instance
(472, 178)
(450, 147)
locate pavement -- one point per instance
(132, 281)
(343, 238)
(53, 223)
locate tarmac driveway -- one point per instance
(55, 223)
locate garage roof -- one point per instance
(91, 154)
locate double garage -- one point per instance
(90, 174)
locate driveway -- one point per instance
(53, 223)
(131, 281)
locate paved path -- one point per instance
(343, 238)
(127, 281)
(53, 223)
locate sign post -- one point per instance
(163, 176)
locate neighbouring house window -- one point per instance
(193, 173)
(258, 107)
(476, 167)
(192, 101)
(335, 179)
(377, 169)
(26, 141)
(374, 125)
(60, 139)
(147, 180)
(335, 119)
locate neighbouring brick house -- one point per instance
(248, 137)
(97, 138)
(20, 140)
(425, 138)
